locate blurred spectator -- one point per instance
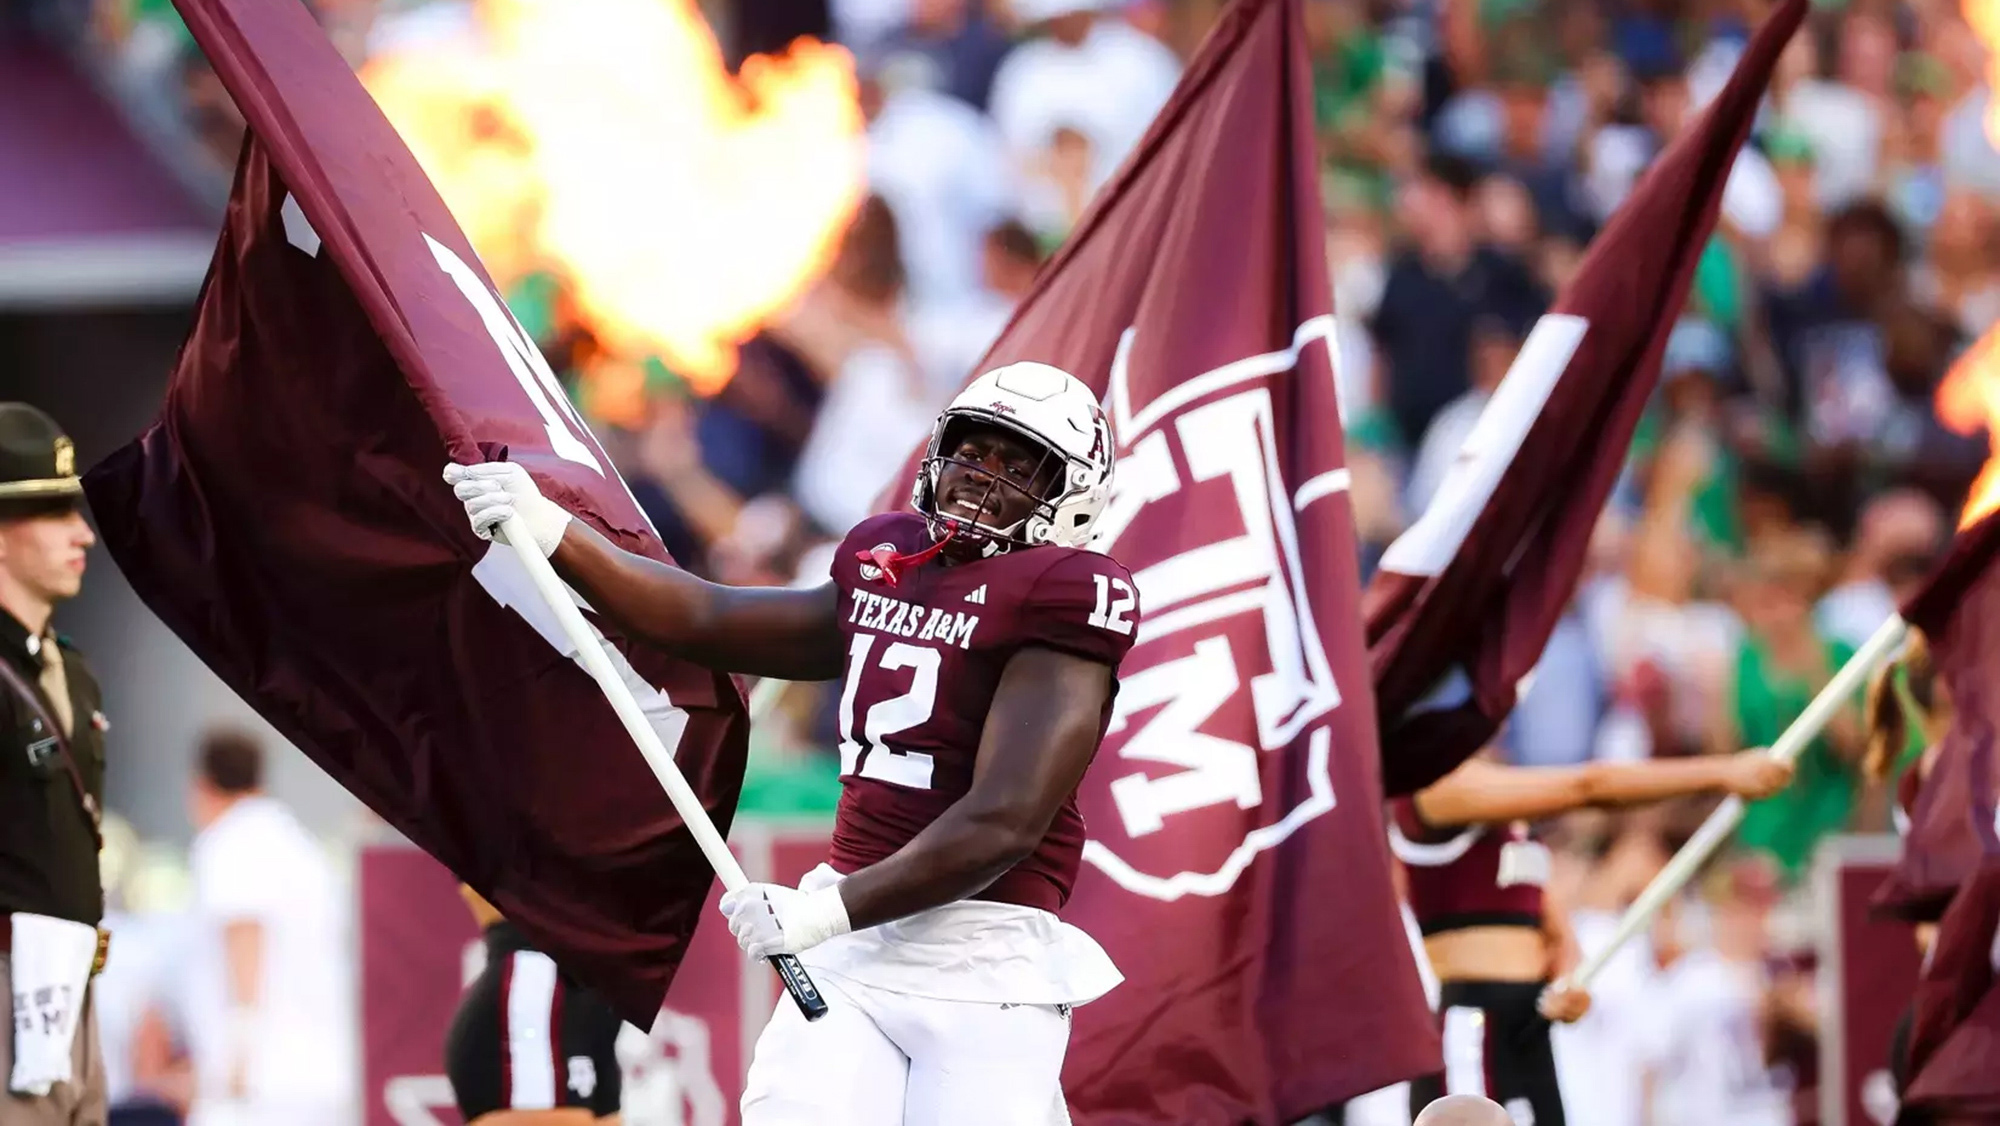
(1840, 123)
(1708, 1056)
(877, 407)
(1961, 275)
(1781, 663)
(1088, 70)
(1494, 345)
(956, 46)
(941, 167)
(951, 339)
(1899, 538)
(1440, 283)
(1601, 1059)
(147, 1079)
(269, 980)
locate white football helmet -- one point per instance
(1056, 411)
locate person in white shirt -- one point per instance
(942, 167)
(1091, 72)
(1707, 1063)
(269, 1004)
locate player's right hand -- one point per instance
(1755, 775)
(495, 492)
(1563, 1003)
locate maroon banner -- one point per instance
(419, 949)
(1955, 1037)
(1953, 828)
(1465, 600)
(1871, 965)
(1237, 868)
(286, 517)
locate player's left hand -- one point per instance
(771, 919)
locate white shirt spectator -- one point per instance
(1852, 612)
(1970, 158)
(1708, 1055)
(256, 863)
(1751, 199)
(1444, 438)
(943, 170)
(950, 338)
(1600, 1058)
(1108, 88)
(873, 416)
(150, 949)
(1846, 133)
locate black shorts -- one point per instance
(527, 1038)
(1496, 1045)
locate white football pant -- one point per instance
(890, 1059)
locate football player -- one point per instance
(978, 642)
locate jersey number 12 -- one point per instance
(862, 745)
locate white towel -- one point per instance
(50, 967)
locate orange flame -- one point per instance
(605, 139)
(1969, 398)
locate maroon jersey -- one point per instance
(1477, 876)
(924, 656)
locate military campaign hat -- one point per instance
(37, 460)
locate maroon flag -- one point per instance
(1954, 1056)
(1466, 599)
(1952, 829)
(286, 517)
(1237, 868)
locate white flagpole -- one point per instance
(550, 586)
(1720, 824)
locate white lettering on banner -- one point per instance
(500, 574)
(1227, 438)
(1213, 769)
(1429, 544)
(298, 229)
(525, 360)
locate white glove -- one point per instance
(769, 919)
(496, 491)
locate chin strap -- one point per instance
(893, 563)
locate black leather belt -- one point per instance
(97, 962)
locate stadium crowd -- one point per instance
(1793, 479)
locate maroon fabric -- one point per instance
(1466, 599)
(1954, 1064)
(1480, 875)
(286, 517)
(1235, 804)
(1952, 826)
(924, 657)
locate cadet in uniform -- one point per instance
(51, 781)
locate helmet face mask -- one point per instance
(1040, 462)
(977, 500)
